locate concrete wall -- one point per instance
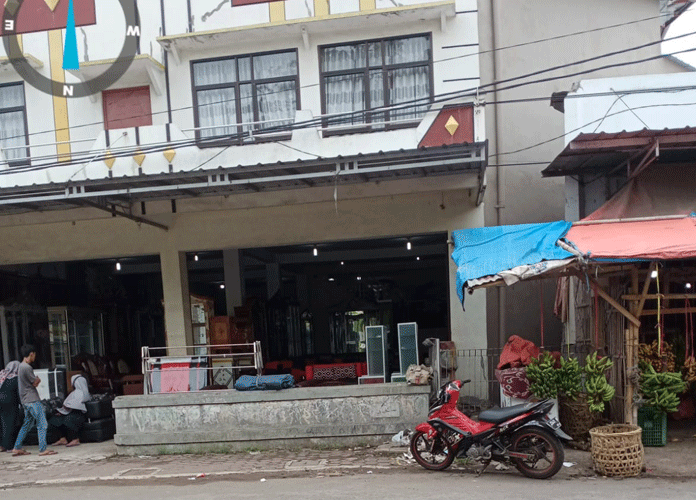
(287, 218)
(516, 192)
(291, 418)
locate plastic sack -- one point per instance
(419, 375)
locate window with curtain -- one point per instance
(359, 78)
(233, 93)
(13, 124)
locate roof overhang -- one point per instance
(144, 70)
(34, 62)
(305, 27)
(602, 152)
(463, 159)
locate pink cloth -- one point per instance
(648, 239)
(175, 377)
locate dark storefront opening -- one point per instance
(311, 303)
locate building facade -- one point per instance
(533, 55)
(246, 124)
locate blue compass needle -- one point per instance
(70, 58)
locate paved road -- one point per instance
(378, 486)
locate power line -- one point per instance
(184, 108)
(445, 97)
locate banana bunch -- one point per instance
(689, 370)
(660, 389)
(568, 378)
(542, 376)
(598, 390)
(661, 362)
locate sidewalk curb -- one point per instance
(182, 475)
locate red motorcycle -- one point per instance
(522, 435)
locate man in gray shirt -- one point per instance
(33, 409)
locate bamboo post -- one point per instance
(631, 416)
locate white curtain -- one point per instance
(217, 107)
(12, 126)
(277, 101)
(346, 93)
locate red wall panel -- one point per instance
(438, 135)
(35, 15)
(125, 108)
(235, 3)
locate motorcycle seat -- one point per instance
(500, 415)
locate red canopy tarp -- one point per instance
(646, 239)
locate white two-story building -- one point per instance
(309, 156)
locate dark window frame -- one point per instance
(340, 129)
(236, 84)
(23, 109)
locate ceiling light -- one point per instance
(331, 279)
(408, 244)
(195, 257)
(315, 251)
(342, 263)
(653, 274)
(222, 286)
(688, 286)
(417, 258)
(359, 278)
(118, 266)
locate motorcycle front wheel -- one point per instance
(431, 454)
(546, 452)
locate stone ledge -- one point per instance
(295, 394)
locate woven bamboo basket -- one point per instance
(617, 450)
(576, 417)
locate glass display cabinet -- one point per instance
(24, 324)
(74, 331)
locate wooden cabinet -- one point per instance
(221, 330)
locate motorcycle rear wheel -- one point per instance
(545, 447)
(431, 454)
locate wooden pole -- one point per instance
(631, 352)
(615, 304)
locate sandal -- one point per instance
(48, 452)
(16, 453)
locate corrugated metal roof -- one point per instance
(229, 180)
(604, 151)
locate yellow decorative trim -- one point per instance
(368, 4)
(165, 40)
(452, 125)
(52, 4)
(61, 120)
(109, 159)
(139, 159)
(169, 154)
(321, 8)
(276, 11)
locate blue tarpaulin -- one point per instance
(487, 251)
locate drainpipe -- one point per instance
(499, 177)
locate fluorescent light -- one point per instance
(222, 286)
(315, 251)
(195, 257)
(688, 286)
(331, 279)
(408, 245)
(653, 274)
(118, 266)
(359, 278)
(417, 258)
(342, 263)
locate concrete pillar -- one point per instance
(234, 286)
(177, 300)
